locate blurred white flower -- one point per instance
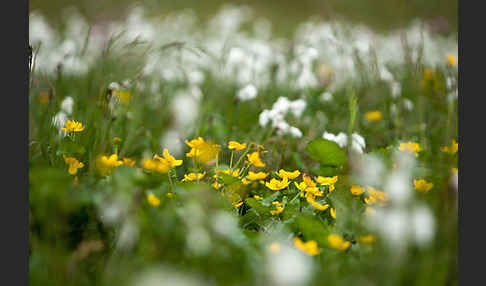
(408, 104)
(67, 105)
(248, 92)
(326, 96)
(423, 225)
(289, 267)
(128, 234)
(185, 109)
(297, 107)
(357, 141)
(294, 131)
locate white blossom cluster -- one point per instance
(276, 115)
(357, 141)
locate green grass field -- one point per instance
(179, 151)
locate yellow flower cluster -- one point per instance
(193, 177)
(153, 200)
(74, 165)
(278, 206)
(452, 149)
(376, 196)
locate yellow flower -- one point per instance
(195, 143)
(233, 173)
(410, 147)
(422, 185)
(203, 151)
(301, 186)
(111, 162)
(74, 165)
(274, 247)
(278, 206)
(105, 164)
(310, 247)
(333, 213)
(122, 95)
(216, 185)
(237, 205)
(128, 162)
(257, 197)
(170, 195)
(72, 126)
(44, 97)
(376, 196)
(451, 149)
(290, 175)
(256, 176)
(117, 140)
(169, 159)
(357, 190)
(157, 166)
(337, 242)
(254, 159)
(367, 239)
(316, 205)
(373, 115)
(327, 180)
(153, 200)
(245, 181)
(276, 185)
(308, 181)
(451, 60)
(192, 177)
(235, 145)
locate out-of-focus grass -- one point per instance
(284, 14)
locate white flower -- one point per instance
(59, 119)
(282, 105)
(326, 96)
(289, 267)
(294, 131)
(67, 105)
(423, 225)
(408, 104)
(396, 89)
(357, 143)
(264, 117)
(248, 92)
(297, 107)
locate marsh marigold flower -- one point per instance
(290, 175)
(203, 151)
(278, 206)
(410, 147)
(452, 149)
(122, 95)
(357, 190)
(105, 164)
(169, 159)
(310, 247)
(422, 185)
(337, 242)
(367, 239)
(254, 159)
(237, 205)
(373, 115)
(333, 213)
(327, 181)
(235, 145)
(153, 200)
(156, 166)
(257, 197)
(192, 177)
(72, 126)
(276, 185)
(451, 60)
(74, 165)
(256, 176)
(310, 198)
(128, 162)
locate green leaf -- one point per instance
(326, 152)
(259, 208)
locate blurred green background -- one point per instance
(381, 15)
